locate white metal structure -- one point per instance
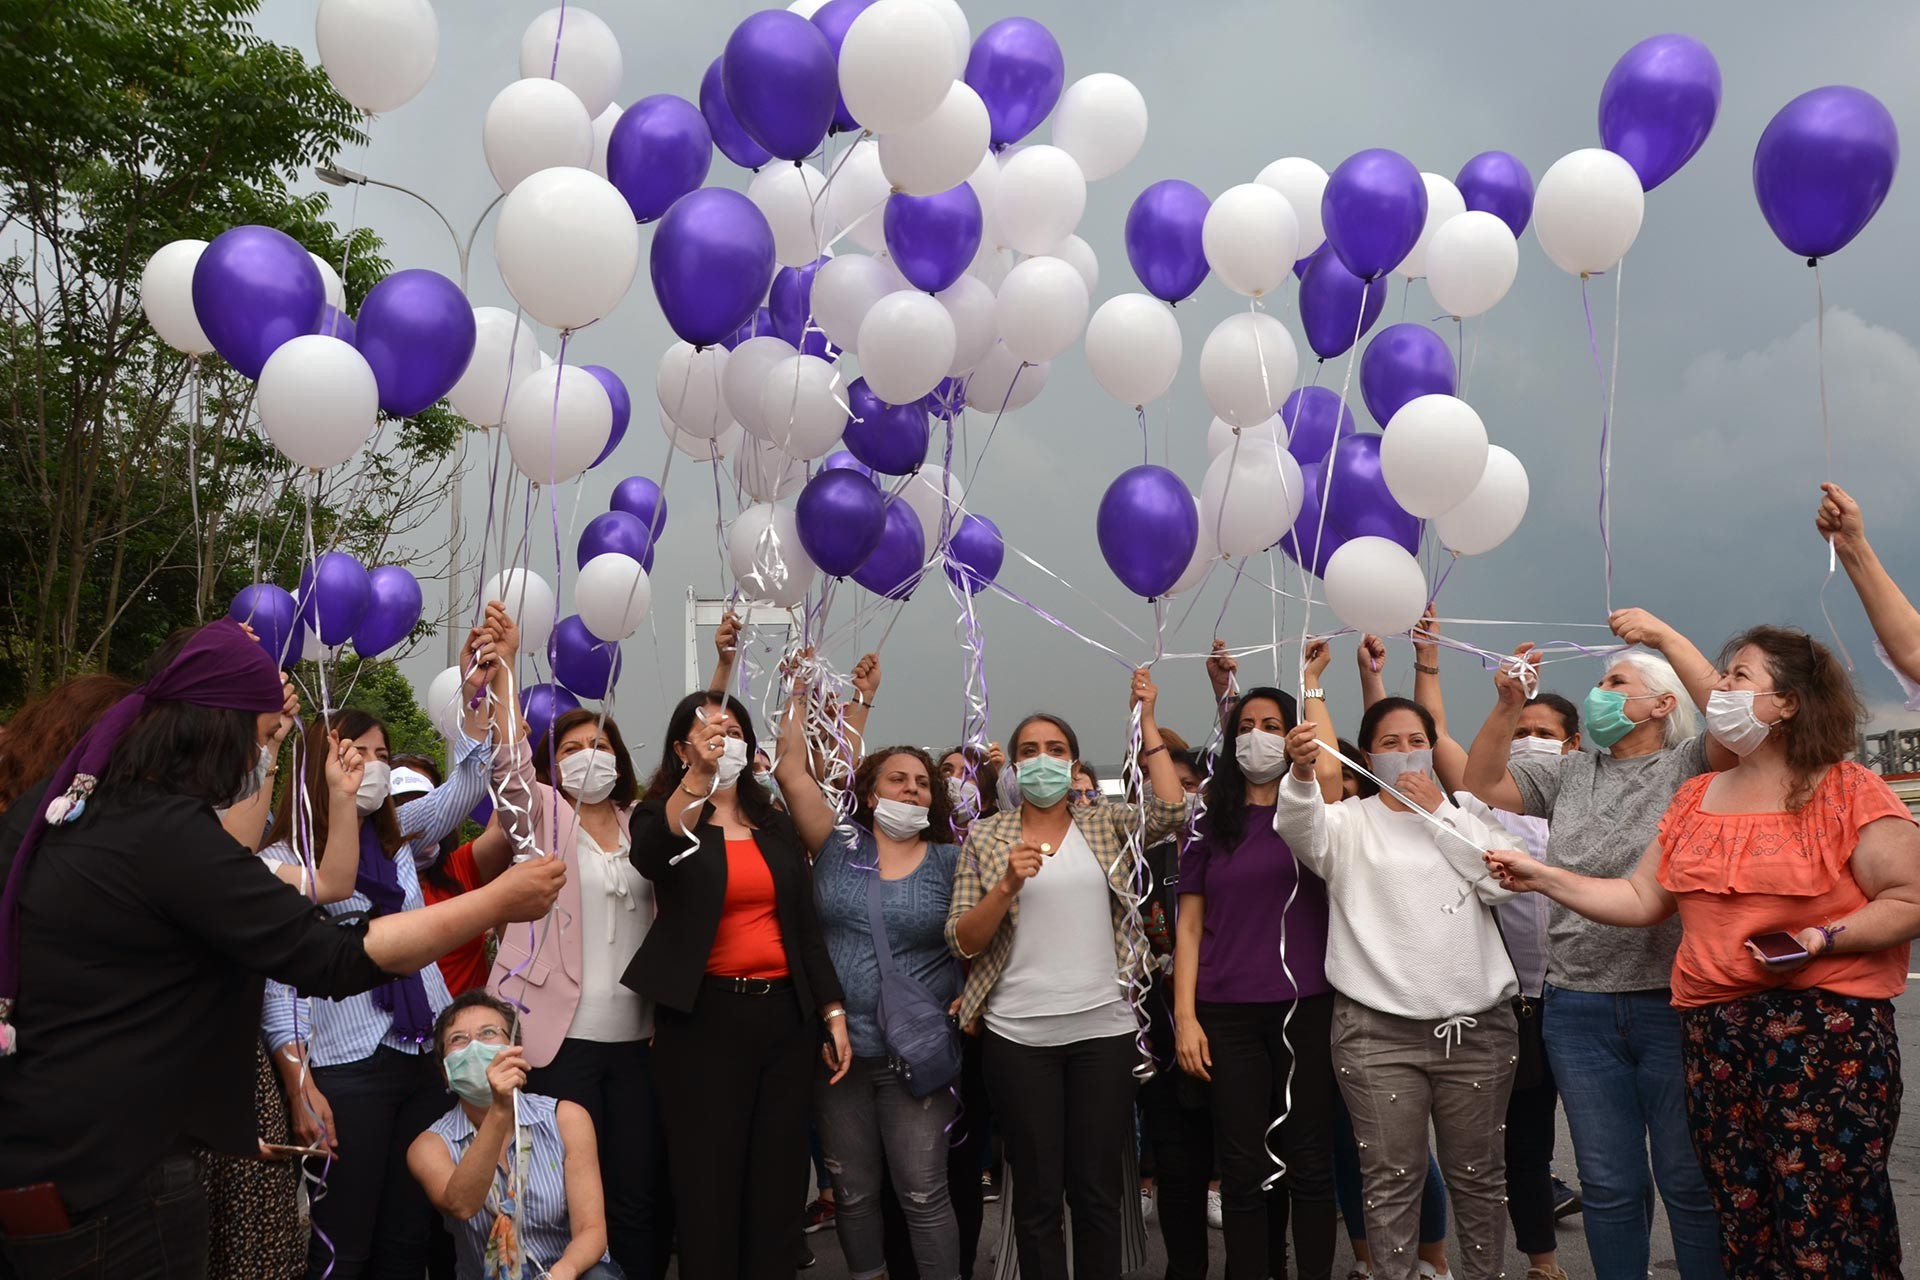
(708, 613)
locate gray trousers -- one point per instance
(869, 1122)
(1398, 1076)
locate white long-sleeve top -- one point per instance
(1409, 932)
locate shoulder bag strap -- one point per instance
(877, 923)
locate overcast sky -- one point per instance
(1718, 447)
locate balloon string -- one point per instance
(1326, 494)
(553, 73)
(1826, 426)
(995, 426)
(1606, 440)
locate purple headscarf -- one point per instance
(221, 666)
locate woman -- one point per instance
(1084, 788)
(586, 1032)
(1608, 1020)
(359, 1070)
(132, 939)
(1253, 1011)
(536, 1202)
(44, 730)
(1792, 1060)
(895, 859)
(972, 778)
(1060, 1033)
(1423, 1033)
(743, 992)
(1896, 623)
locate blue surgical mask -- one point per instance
(466, 1069)
(1045, 780)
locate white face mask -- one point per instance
(589, 776)
(256, 777)
(375, 781)
(732, 763)
(1731, 721)
(963, 795)
(898, 819)
(1262, 756)
(1532, 746)
(1390, 766)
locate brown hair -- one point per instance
(478, 998)
(939, 806)
(1825, 725)
(42, 732)
(351, 723)
(626, 784)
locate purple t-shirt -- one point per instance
(1247, 917)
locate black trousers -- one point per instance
(966, 1147)
(614, 1082)
(374, 1213)
(1177, 1124)
(1530, 1163)
(1067, 1114)
(735, 1079)
(1250, 1066)
(157, 1231)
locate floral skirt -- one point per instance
(1793, 1098)
(253, 1211)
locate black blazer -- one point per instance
(672, 962)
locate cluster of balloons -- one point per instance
(339, 601)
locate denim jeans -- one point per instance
(156, 1231)
(1616, 1058)
(871, 1127)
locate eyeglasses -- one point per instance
(485, 1035)
(1084, 797)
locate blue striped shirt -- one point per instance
(350, 1029)
(545, 1228)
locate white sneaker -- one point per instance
(1428, 1273)
(1213, 1209)
(1146, 1204)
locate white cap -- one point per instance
(406, 782)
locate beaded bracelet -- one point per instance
(1829, 932)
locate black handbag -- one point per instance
(923, 1044)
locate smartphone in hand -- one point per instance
(1778, 947)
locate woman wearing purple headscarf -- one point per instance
(134, 935)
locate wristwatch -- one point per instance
(1319, 695)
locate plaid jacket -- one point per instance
(983, 861)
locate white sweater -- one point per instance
(1408, 933)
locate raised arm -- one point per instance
(866, 684)
(1485, 773)
(1637, 626)
(812, 816)
(1158, 761)
(1449, 757)
(460, 1190)
(1370, 655)
(1222, 668)
(1314, 711)
(726, 645)
(1895, 621)
(1635, 902)
(1301, 815)
(339, 864)
(247, 821)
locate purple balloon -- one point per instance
(841, 516)
(1163, 238)
(416, 330)
(1374, 208)
(1148, 527)
(253, 289)
(1357, 500)
(542, 704)
(1821, 170)
(893, 570)
(841, 460)
(732, 140)
(1404, 361)
(833, 18)
(616, 533)
(1017, 69)
(1300, 265)
(712, 261)
(481, 813)
(791, 301)
(760, 326)
(1309, 533)
(933, 238)
(641, 498)
(335, 323)
(334, 600)
(1497, 183)
(392, 612)
(1658, 105)
(274, 615)
(660, 149)
(890, 438)
(583, 663)
(780, 78)
(622, 408)
(947, 399)
(1335, 304)
(1314, 416)
(974, 554)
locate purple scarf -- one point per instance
(405, 999)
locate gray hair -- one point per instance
(1661, 678)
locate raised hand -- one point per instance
(345, 765)
(1637, 626)
(1314, 659)
(726, 637)
(1371, 654)
(1507, 684)
(507, 1072)
(506, 632)
(1303, 749)
(1838, 519)
(1222, 667)
(1426, 634)
(1144, 693)
(866, 677)
(527, 890)
(289, 712)
(706, 743)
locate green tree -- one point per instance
(378, 687)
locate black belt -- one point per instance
(750, 986)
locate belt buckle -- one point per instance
(765, 984)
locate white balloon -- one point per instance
(767, 472)
(844, 290)
(1041, 195)
(166, 295)
(1133, 347)
(533, 125)
(1444, 202)
(745, 378)
(1101, 121)
(1587, 210)
(587, 59)
(602, 134)
(317, 399)
(444, 705)
(941, 151)
(805, 8)
(935, 497)
(1205, 552)
(985, 181)
(1000, 383)
(690, 386)
(1247, 367)
(1042, 309)
(567, 246)
(378, 53)
(1250, 498)
(1488, 516)
(1375, 587)
(1251, 238)
(764, 551)
(336, 292)
(896, 63)
(1259, 435)
(530, 603)
(991, 264)
(1303, 183)
(1078, 252)
(857, 198)
(556, 437)
(906, 343)
(1433, 454)
(1471, 263)
(971, 304)
(697, 448)
(956, 19)
(611, 596)
(803, 406)
(505, 352)
(788, 194)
